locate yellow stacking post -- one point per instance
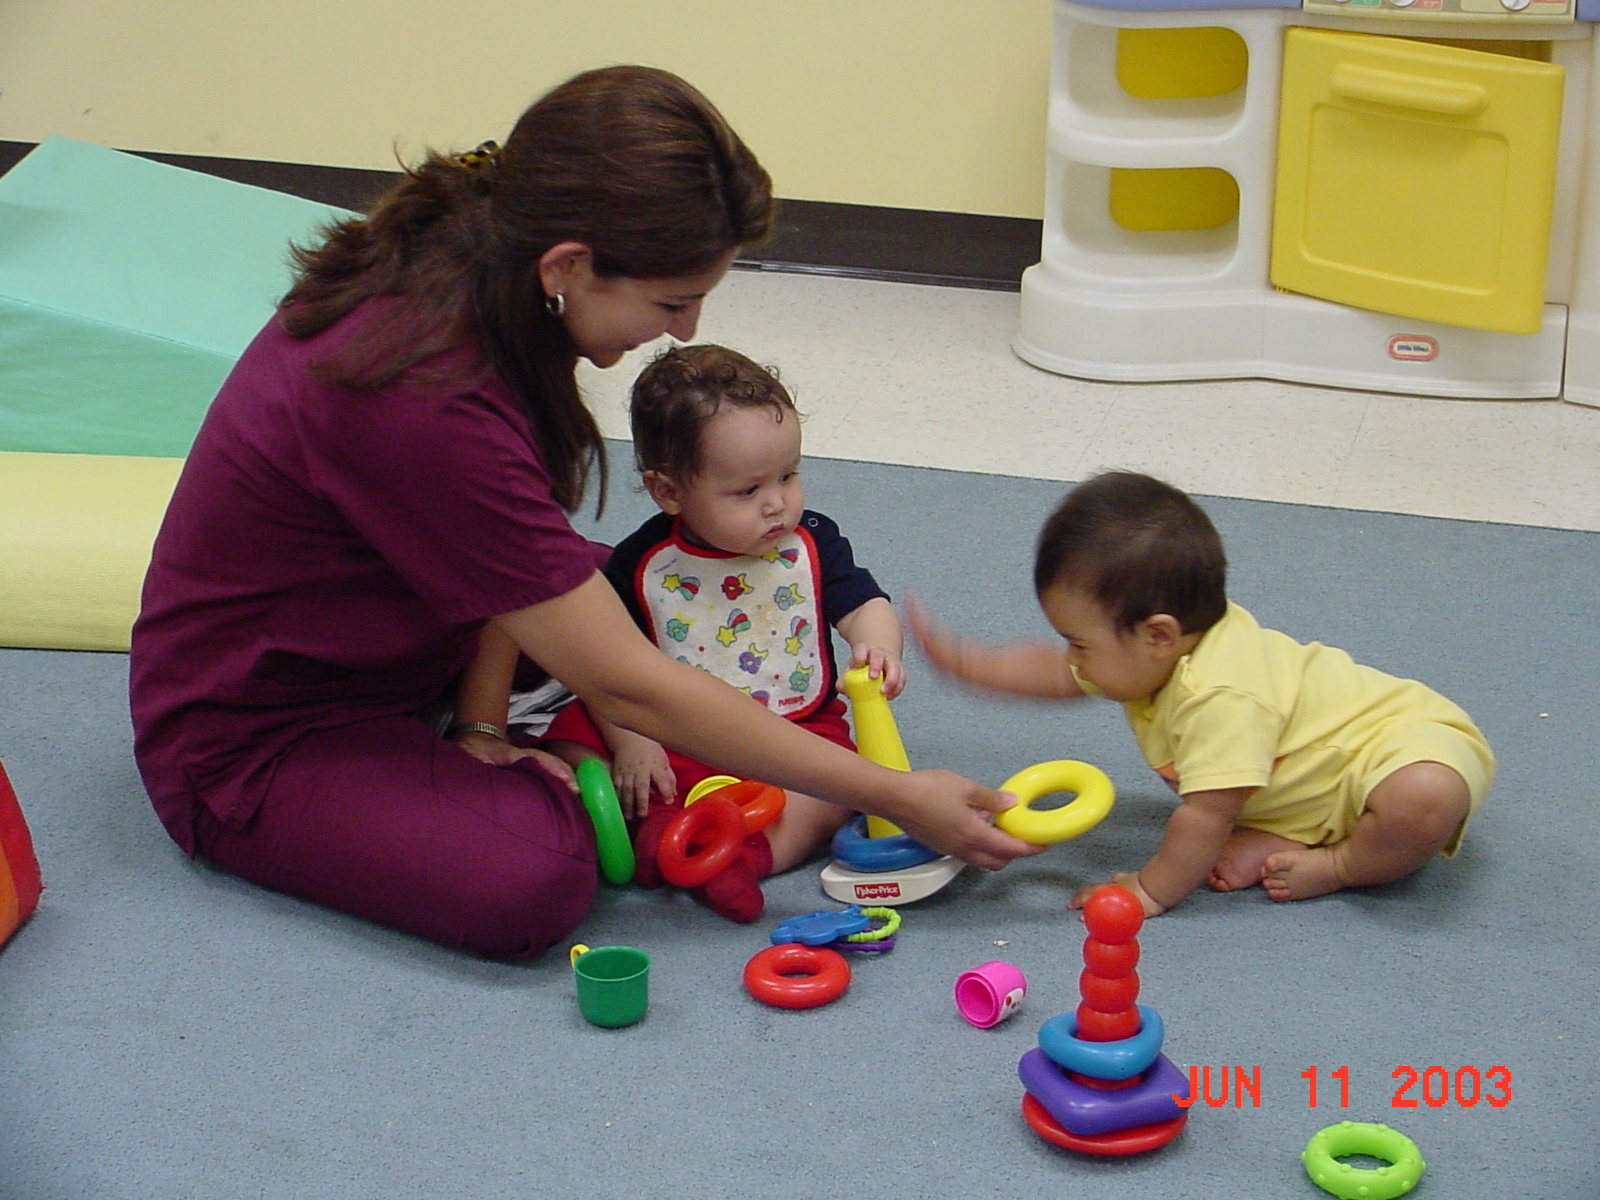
(895, 878)
(877, 736)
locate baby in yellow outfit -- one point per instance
(1299, 769)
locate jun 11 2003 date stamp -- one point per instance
(1433, 1087)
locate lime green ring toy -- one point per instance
(1328, 1145)
(610, 830)
(1094, 798)
(891, 922)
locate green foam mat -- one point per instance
(127, 290)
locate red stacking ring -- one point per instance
(700, 842)
(797, 976)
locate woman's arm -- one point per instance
(484, 693)
(586, 639)
(483, 697)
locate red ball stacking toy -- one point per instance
(1098, 1082)
(1109, 985)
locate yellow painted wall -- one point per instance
(932, 104)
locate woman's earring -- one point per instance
(556, 305)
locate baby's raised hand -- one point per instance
(939, 642)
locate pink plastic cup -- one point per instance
(989, 994)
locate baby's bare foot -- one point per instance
(1303, 873)
(1243, 859)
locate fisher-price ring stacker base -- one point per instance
(891, 868)
(877, 863)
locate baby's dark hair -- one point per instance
(1137, 547)
(681, 390)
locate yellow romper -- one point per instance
(1313, 730)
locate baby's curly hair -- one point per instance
(681, 390)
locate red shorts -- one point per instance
(573, 724)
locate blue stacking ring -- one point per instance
(1121, 1059)
(853, 848)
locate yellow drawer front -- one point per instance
(1416, 178)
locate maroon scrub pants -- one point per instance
(385, 820)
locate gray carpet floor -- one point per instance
(167, 1031)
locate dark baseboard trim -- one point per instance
(906, 245)
(816, 237)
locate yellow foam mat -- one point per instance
(75, 537)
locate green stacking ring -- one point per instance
(1328, 1145)
(610, 831)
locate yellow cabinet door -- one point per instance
(1416, 178)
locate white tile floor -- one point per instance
(925, 376)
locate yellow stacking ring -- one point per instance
(1094, 796)
(711, 783)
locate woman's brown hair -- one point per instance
(630, 161)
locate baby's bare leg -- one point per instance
(1243, 860)
(806, 825)
(1409, 818)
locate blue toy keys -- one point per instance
(851, 929)
(820, 928)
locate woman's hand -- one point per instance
(950, 814)
(487, 748)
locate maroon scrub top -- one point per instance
(328, 557)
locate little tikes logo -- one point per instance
(877, 891)
(1413, 347)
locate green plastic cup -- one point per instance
(613, 984)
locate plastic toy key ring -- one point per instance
(796, 976)
(1322, 1153)
(610, 831)
(1094, 797)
